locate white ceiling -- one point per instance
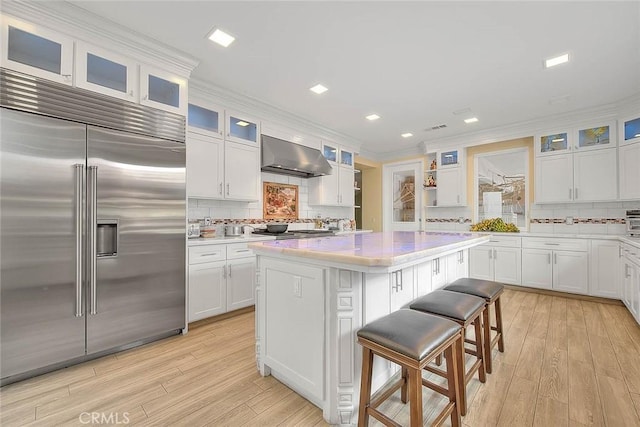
(413, 63)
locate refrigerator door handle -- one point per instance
(79, 249)
(92, 178)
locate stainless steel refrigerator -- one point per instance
(92, 236)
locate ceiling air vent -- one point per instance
(436, 127)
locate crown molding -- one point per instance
(207, 91)
(79, 23)
(524, 129)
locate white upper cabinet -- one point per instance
(451, 178)
(578, 166)
(242, 129)
(554, 179)
(36, 51)
(241, 172)
(336, 189)
(595, 176)
(629, 155)
(105, 72)
(205, 167)
(163, 90)
(206, 119)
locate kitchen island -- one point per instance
(313, 295)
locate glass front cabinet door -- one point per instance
(630, 129)
(162, 90)
(108, 73)
(550, 143)
(346, 158)
(330, 152)
(36, 51)
(206, 120)
(242, 129)
(595, 137)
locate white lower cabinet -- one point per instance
(457, 266)
(402, 287)
(558, 264)
(221, 279)
(241, 275)
(499, 260)
(603, 268)
(630, 262)
(207, 290)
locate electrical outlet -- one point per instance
(207, 220)
(568, 220)
(297, 287)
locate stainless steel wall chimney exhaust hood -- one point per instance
(286, 158)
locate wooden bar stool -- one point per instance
(465, 310)
(491, 292)
(410, 339)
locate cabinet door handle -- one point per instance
(458, 198)
(221, 189)
(224, 271)
(229, 272)
(495, 254)
(548, 258)
(555, 258)
(570, 194)
(576, 193)
(227, 189)
(490, 253)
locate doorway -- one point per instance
(402, 196)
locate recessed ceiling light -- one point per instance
(471, 120)
(318, 89)
(222, 38)
(406, 135)
(242, 123)
(372, 117)
(551, 62)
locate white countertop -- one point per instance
(372, 249)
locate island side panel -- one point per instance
(292, 307)
(344, 318)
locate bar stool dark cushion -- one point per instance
(478, 287)
(408, 332)
(449, 304)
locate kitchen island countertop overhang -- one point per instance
(370, 252)
(313, 295)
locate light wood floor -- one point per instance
(567, 362)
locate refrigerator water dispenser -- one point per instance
(107, 238)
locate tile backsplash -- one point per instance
(586, 218)
(231, 210)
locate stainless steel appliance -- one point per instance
(286, 158)
(298, 234)
(93, 225)
(633, 222)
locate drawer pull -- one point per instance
(210, 254)
(552, 244)
(243, 250)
